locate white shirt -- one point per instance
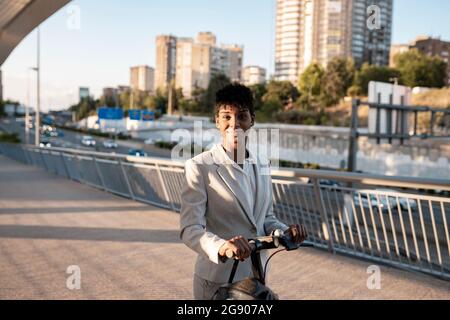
(245, 177)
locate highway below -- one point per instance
(72, 139)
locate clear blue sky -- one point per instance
(116, 34)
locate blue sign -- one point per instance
(110, 113)
(148, 115)
(134, 114)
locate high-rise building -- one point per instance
(123, 89)
(235, 56)
(1, 86)
(253, 75)
(207, 37)
(165, 60)
(287, 39)
(193, 65)
(310, 31)
(395, 50)
(435, 47)
(142, 78)
(110, 96)
(83, 92)
(197, 61)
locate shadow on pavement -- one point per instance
(89, 234)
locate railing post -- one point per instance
(43, 160)
(325, 224)
(130, 190)
(163, 185)
(353, 141)
(99, 173)
(65, 166)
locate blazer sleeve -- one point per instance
(192, 216)
(271, 223)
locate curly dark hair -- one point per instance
(236, 95)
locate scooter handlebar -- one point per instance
(271, 242)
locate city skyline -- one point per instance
(100, 53)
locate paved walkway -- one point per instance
(129, 250)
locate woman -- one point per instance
(226, 199)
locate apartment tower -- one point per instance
(310, 31)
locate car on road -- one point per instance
(152, 140)
(110, 144)
(88, 141)
(137, 153)
(45, 144)
(383, 202)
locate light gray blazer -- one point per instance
(213, 210)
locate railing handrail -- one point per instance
(364, 178)
(148, 160)
(291, 173)
(405, 230)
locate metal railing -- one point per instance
(345, 213)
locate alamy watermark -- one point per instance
(73, 21)
(374, 17)
(262, 144)
(73, 282)
(374, 280)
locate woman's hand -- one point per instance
(297, 233)
(239, 246)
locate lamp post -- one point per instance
(38, 92)
(27, 111)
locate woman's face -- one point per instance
(233, 123)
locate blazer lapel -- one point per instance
(223, 171)
(236, 189)
(260, 196)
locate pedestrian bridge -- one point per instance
(125, 240)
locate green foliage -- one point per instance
(258, 90)
(269, 108)
(373, 73)
(165, 144)
(296, 117)
(280, 91)
(216, 83)
(158, 102)
(85, 107)
(310, 83)
(419, 70)
(194, 105)
(354, 91)
(299, 165)
(337, 79)
(9, 137)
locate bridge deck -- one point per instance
(129, 250)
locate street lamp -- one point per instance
(38, 92)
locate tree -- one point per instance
(258, 90)
(373, 73)
(216, 83)
(310, 82)
(194, 105)
(419, 70)
(337, 79)
(158, 102)
(85, 107)
(281, 91)
(268, 110)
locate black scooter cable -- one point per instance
(265, 266)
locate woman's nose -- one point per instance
(234, 123)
